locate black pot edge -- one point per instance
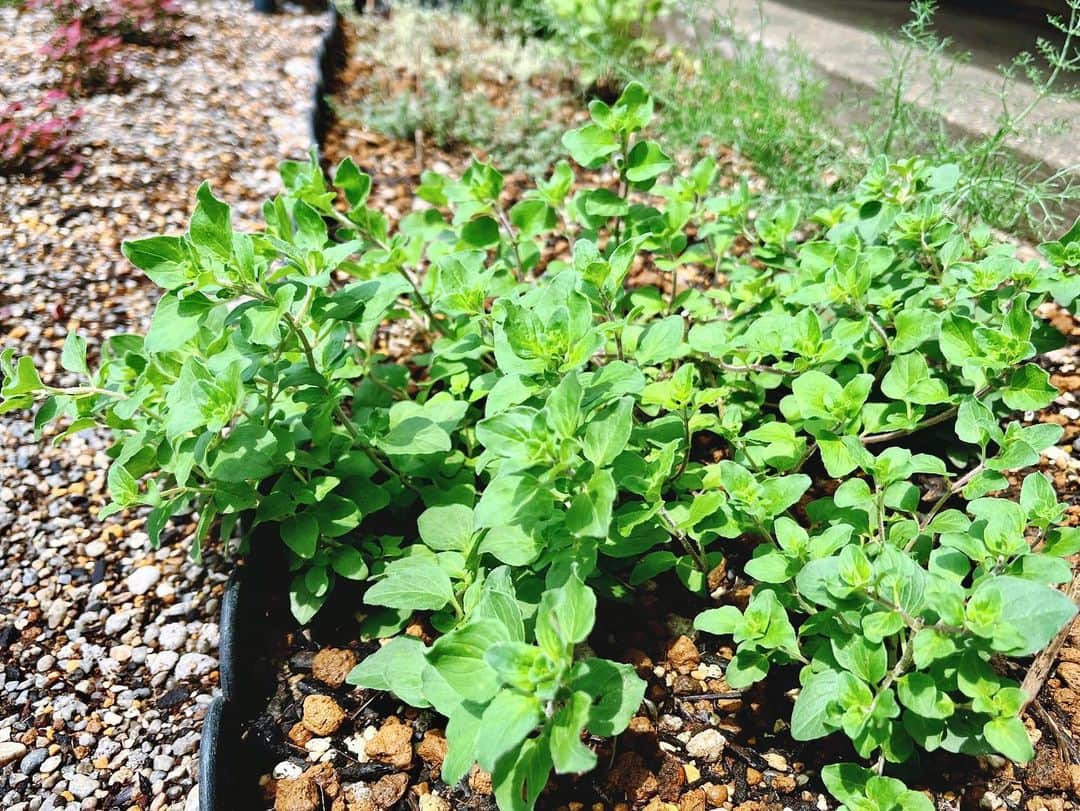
(210, 743)
(215, 739)
(227, 644)
(218, 735)
(330, 58)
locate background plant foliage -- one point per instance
(770, 106)
(537, 453)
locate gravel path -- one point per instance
(107, 646)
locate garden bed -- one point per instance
(697, 743)
(465, 462)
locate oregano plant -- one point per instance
(496, 437)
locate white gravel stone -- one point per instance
(164, 591)
(185, 744)
(82, 786)
(57, 612)
(209, 636)
(118, 622)
(11, 751)
(143, 579)
(357, 745)
(193, 665)
(172, 636)
(161, 662)
(317, 745)
(287, 770)
(112, 719)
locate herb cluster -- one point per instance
(563, 430)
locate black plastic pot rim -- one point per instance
(212, 741)
(328, 58)
(209, 745)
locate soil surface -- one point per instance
(107, 646)
(696, 744)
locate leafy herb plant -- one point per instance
(997, 186)
(566, 427)
(770, 106)
(599, 30)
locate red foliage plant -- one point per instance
(88, 35)
(37, 139)
(146, 22)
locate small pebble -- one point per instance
(193, 665)
(143, 579)
(287, 770)
(82, 786)
(33, 760)
(707, 745)
(11, 751)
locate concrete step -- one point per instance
(841, 38)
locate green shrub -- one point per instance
(620, 28)
(540, 449)
(769, 107)
(1007, 190)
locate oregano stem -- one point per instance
(509, 228)
(86, 391)
(691, 547)
(681, 468)
(907, 657)
(762, 368)
(951, 491)
(424, 305)
(929, 422)
(944, 416)
(914, 623)
(339, 412)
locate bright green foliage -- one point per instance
(516, 707)
(601, 31)
(770, 106)
(564, 432)
(862, 790)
